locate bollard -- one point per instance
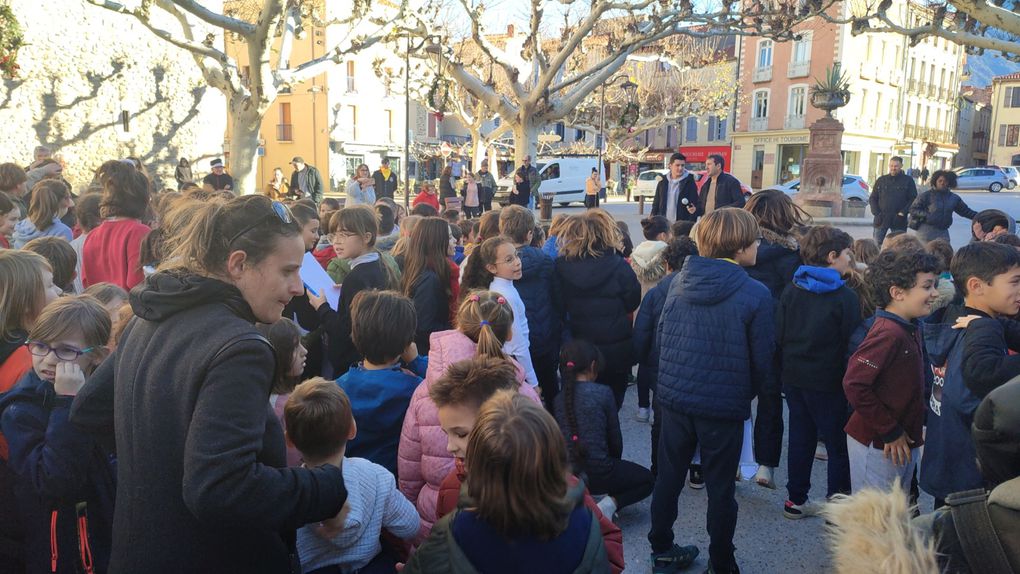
(641, 204)
(545, 207)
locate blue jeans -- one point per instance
(880, 233)
(813, 413)
(720, 442)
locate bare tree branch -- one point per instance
(217, 20)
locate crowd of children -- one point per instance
(175, 397)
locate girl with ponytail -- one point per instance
(484, 324)
(594, 440)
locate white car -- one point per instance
(854, 188)
(647, 181)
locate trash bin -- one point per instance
(545, 206)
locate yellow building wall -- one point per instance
(1002, 116)
(309, 119)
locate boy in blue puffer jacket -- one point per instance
(816, 318)
(646, 343)
(716, 340)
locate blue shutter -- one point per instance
(692, 129)
(722, 129)
(711, 128)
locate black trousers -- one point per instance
(548, 377)
(768, 428)
(720, 442)
(625, 481)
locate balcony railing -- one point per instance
(798, 69)
(793, 122)
(285, 132)
(926, 134)
(913, 86)
(759, 124)
(763, 74)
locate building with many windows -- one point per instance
(891, 110)
(973, 126)
(1005, 140)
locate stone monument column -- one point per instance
(821, 177)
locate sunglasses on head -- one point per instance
(280, 211)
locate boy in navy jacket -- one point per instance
(968, 364)
(380, 386)
(716, 340)
(64, 484)
(817, 315)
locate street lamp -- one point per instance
(630, 91)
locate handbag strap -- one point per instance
(977, 533)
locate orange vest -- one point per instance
(11, 372)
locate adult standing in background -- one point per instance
(530, 173)
(520, 193)
(183, 173)
(361, 188)
(890, 201)
(673, 188)
(932, 211)
(447, 186)
(278, 188)
(306, 181)
(40, 154)
(385, 180)
(486, 186)
(721, 189)
(219, 179)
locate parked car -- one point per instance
(854, 188)
(1012, 174)
(562, 176)
(647, 181)
(983, 177)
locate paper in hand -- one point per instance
(316, 278)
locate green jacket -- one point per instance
(441, 553)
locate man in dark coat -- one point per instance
(890, 201)
(385, 180)
(219, 179)
(675, 187)
(306, 181)
(720, 190)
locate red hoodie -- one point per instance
(111, 254)
(426, 197)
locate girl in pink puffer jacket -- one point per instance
(484, 323)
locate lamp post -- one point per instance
(630, 89)
(435, 50)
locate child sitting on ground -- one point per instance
(518, 512)
(319, 424)
(381, 385)
(65, 481)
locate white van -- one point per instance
(562, 176)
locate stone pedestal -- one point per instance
(821, 174)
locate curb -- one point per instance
(844, 221)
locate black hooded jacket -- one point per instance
(202, 478)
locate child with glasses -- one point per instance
(64, 480)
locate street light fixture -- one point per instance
(630, 91)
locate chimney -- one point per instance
(510, 30)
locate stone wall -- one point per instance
(81, 68)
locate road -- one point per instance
(766, 541)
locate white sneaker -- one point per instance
(642, 415)
(765, 477)
(608, 506)
(798, 511)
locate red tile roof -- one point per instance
(1007, 77)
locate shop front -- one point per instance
(767, 159)
(696, 155)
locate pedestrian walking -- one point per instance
(931, 214)
(890, 201)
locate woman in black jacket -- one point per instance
(778, 258)
(599, 291)
(931, 214)
(426, 278)
(202, 482)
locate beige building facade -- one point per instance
(1004, 148)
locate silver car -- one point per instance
(855, 189)
(988, 178)
(1012, 174)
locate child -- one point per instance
(50, 202)
(111, 252)
(426, 278)
(865, 251)
(495, 266)
(518, 512)
(319, 424)
(707, 378)
(388, 230)
(943, 252)
(427, 196)
(586, 413)
(884, 381)
(646, 260)
(458, 247)
(10, 213)
(469, 235)
(64, 481)
(814, 322)
(483, 325)
(459, 395)
(26, 287)
(540, 295)
(551, 247)
(354, 240)
(61, 257)
(110, 296)
(488, 226)
(381, 385)
(968, 364)
(646, 347)
(87, 210)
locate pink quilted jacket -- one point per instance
(422, 459)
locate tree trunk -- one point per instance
(525, 140)
(244, 142)
(478, 154)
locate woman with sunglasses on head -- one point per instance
(203, 484)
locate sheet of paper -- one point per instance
(316, 278)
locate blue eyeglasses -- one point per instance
(40, 349)
(280, 211)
